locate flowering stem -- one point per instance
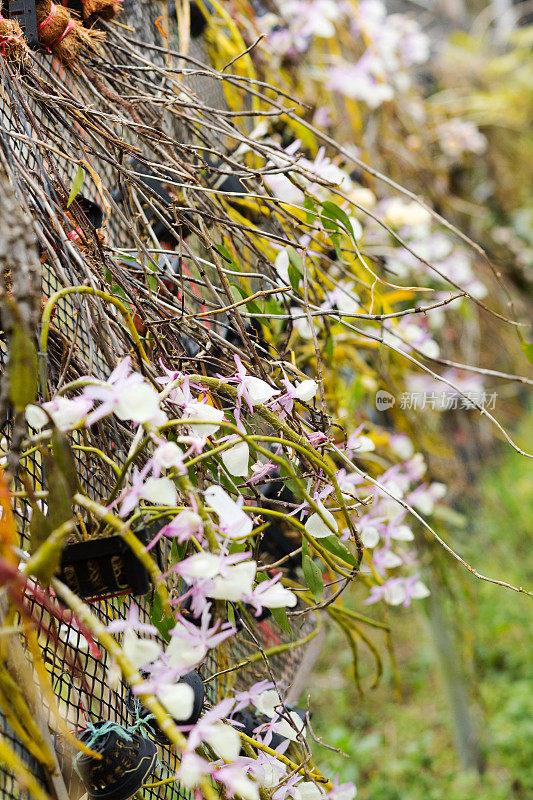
(132, 676)
(49, 307)
(331, 560)
(324, 463)
(188, 488)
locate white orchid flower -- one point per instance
(236, 458)
(139, 404)
(369, 536)
(184, 655)
(257, 390)
(419, 591)
(402, 533)
(200, 565)
(195, 410)
(285, 729)
(65, 413)
(233, 521)
(192, 768)
(140, 651)
(224, 740)
(305, 391)
(391, 560)
(361, 444)
(315, 525)
(169, 455)
(272, 594)
(394, 593)
(160, 491)
(178, 699)
(236, 583)
(309, 791)
(268, 702)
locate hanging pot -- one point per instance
(23, 11)
(127, 761)
(103, 567)
(193, 680)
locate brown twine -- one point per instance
(62, 35)
(12, 45)
(100, 9)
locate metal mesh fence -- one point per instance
(81, 681)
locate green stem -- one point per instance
(132, 676)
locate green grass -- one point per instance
(401, 748)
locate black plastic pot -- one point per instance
(198, 19)
(23, 11)
(193, 680)
(103, 567)
(93, 211)
(127, 761)
(250, 721)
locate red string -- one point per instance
(6, 38)
(67, 30)
(70, 24)
(49, 18)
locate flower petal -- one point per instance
(236, 459)
(178, 699)
(315, 526)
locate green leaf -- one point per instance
(295, 259)
(77, 183)
(151, 280)
(280, 615)
(177, 551)
(226, 255)
(311, 211)
(313, 577)
(23, 369)
(332, 215)
(527, 347)
(335, 221)
(336, 547)
(164, 624)
(253, 308)
(273, 307)
(294, 277)
(240, 547)
(116, 290)
(127, 258)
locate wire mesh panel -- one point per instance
(44, 147)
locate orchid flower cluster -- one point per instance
(379, 61)
(394, 43)
(176, 422)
